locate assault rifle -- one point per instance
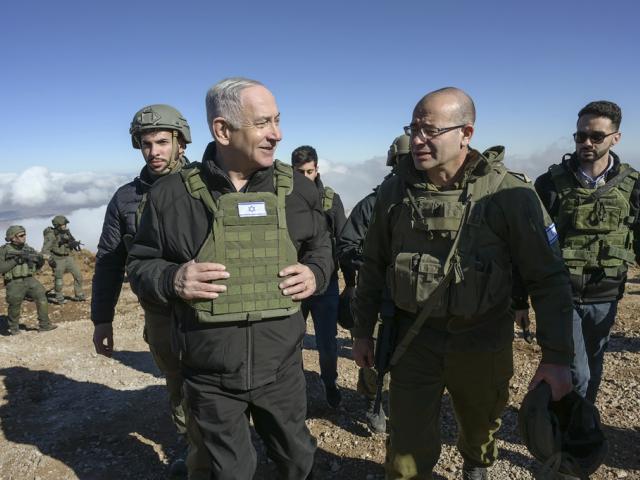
(385, 344)
(33, 259)
(71, 242)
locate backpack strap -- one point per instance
(283, 184)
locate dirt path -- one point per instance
(67, 413)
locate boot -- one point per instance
(474, 473)
(333, 395)
(47, 327)
(79, 298)
(58, 300)
(376, 423)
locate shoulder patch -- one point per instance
(552, 234)
(521, 176)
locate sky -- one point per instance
(346, 76)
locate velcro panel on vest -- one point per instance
(441, 212)
(247, 238)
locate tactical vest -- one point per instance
(55, 236)
(594, 224)
(327, 198)
(249, 236)
(442, 232)
(19, 271)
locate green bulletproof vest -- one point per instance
(19, 271)
(327, 198)
(57, 247)
(249, 236)
(594, 224)
(440, 231)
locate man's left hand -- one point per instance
(557, 376)
(301, 282)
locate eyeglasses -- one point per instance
(425, 132)
(595, 137)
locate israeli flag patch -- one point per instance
(552, 234)
(252, 209)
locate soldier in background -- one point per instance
(350, 247)
(58, 245)
(324, 307)
(18, 265)
(161, 133)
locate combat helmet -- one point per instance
(59, 220)
(564, 435)
(400, 146)
(158, 117)
(12, 231)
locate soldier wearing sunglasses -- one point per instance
(594, 200)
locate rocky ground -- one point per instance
(66, 413)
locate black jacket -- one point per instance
(351, 240)
(174, 225)
(119, 220)
(336, 220)
(592, 286)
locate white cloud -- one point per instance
(39, 192)
(34, 196)
(355, 180)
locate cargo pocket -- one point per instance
(412, 279)
(481, 288)
(401, 278)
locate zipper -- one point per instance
(249, 354)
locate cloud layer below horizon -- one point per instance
(31, 198)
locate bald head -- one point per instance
(451, 102)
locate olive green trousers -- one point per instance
(66, 264)
(16, 290)
(478, 384)
(157, 333)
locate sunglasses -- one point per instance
(595, 137)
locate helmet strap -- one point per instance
(175, 145)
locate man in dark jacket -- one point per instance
(350, 247)
(594, 200)
(444, 239)
(324, 307)
(162, 134)
(230, 247)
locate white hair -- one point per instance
(223, 100)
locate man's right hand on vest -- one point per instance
(195, 280)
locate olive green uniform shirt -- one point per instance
(515, 215)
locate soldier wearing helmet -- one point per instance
(350, 245)
(161, 133)
(18, 265)
(58, 245)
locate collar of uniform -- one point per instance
(218, 179)
(571, 163)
